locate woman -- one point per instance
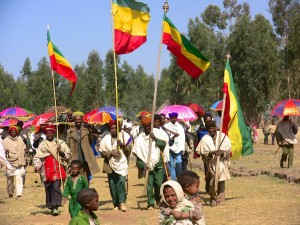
(15, 154)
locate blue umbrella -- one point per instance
(110, 110)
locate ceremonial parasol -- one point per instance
(290, 107)
(42, 119)
(9, 122)
(143, 113)
(184, 113)
(15, 112)
(111, 110)
(217, 106)
(198, 109)
(100, 118)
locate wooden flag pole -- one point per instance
(56, 124)
(166, 9)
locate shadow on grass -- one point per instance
(104, 202)
(45, 212)
(138, 185)
(139, 205)
(42, 206)
(207, 200)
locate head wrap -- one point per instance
(173, 114)
(50, 128)
(145, 121)
(176, 187)
(111, 123)
(209, 124)
(77, 114)
(13, 128)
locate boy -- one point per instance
(74, 184)
(88, 199)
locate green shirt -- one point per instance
(83, 219)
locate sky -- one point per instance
(80, 26)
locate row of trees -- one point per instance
(265, 61)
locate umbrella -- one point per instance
(184, 113)
(110, 109)
(9, 122)
(144, 113)
(15, 112)
(217, 106)
(100, 118)
(290, 107)
(88, 115)
(198, 109)
(42, 119)
(27, 124)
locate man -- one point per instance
(79, 140)
(210, 150)
(272, 129)
(158, 149)
(115, 163)
(15, 153)
(50, 159)
(285, 136)
(176, 143)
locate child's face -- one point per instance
(193, 188)
(75, 170)
(170, 196)
(93, 204)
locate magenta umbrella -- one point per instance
(184, 113)
(15, 112)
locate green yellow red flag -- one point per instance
(188, 57)
(130, 25)
(233, 122)
(60, 64)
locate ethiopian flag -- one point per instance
(233, 122)
(130, 25)
(188, 57)
(60, 64)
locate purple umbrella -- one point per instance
(15, 112)
(111, 110)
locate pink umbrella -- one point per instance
(9, 122)
(15, 112)
(184, 113)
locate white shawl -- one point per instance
(179, 142)
(109, 144)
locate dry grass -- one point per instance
(250, 200)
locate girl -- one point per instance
(175, 209)
(74, 184)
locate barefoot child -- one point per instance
(74, 184)
(190, 182)
(175, 209)
(88, 199)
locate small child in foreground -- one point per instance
(74, 184)
(175, 208)
(190, 183)
(88, 199)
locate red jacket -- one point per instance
(52, 171)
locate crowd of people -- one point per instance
(162, 153)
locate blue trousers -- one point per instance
(175, 164)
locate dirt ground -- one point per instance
(250, 199)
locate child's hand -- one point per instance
(196, 199)
(176, 214)
(64, 200)
(184, 215)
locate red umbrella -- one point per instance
(42, 119)
(290, 107)
(144, 113)
(100, 118)
(198, 109)
(217, 106)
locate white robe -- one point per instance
(141, 147)
(179, 142)
(109, 144)
(207, 145)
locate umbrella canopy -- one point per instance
(27, 124)
(15, 112)
(217, 106)
(184, 113)
(198, 109)
(143, 113)
(42, 119)
(290, 107)
(9, 122)
(100, 118)
(88, 115)
(111, 110)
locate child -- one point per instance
(74, 184)
(88, 199)
(175, 209)
(190, 182)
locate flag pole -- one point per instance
(166, 9)
(116, 75)
(56, 124)
(219, 140)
